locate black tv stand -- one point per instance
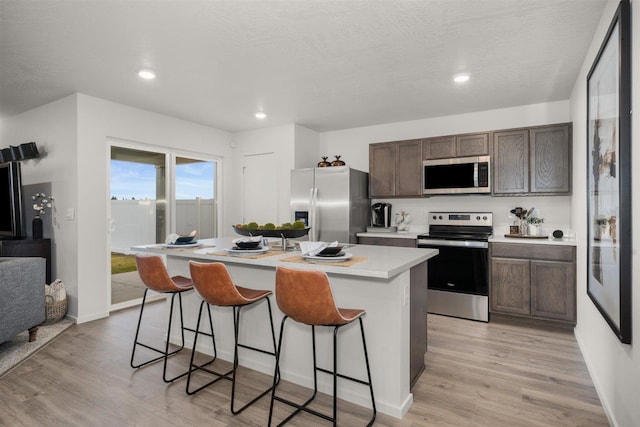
(27, 247)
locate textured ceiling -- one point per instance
(326, 65)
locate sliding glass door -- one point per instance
(154, 193)
(195, 197)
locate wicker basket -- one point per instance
(54, 311)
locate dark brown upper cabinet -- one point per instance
(443, 147)
(532, 161)
(395, 169)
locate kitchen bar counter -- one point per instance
(390, 284)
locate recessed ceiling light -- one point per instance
(461, 78)
(261, 115)
(146, 74)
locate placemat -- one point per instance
(250, 256)
(346, 263)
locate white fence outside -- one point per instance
(133, 222)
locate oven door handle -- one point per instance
(455, 243)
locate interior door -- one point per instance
(259, 189)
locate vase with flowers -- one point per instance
(41, 202)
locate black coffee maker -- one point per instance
(381, 215)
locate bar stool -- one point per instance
(214, 284)
(154, 275)
(305, 296)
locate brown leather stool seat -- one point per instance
(305, 296)
(213, 283)
(154, 275)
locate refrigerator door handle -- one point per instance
(313, 221)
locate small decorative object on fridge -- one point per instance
(40, 204)
(324, 163)
(338, 162)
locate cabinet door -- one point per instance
(442, 147)
(511, 162)
(553, 290)
(472, 145)
(510, 286)
(409, 168)
(382, 170)
(551, 160)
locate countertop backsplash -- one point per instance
(556, 210)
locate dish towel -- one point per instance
(171, 239)
(314, 248)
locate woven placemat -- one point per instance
(250, 256)
(346, 263)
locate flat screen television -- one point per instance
(10, 200)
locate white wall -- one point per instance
(614, 367)
(306, 148)
(54, 128)
(353, 145)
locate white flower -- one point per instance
(42, 202)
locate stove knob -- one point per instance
(478, 218)
(440, 217)
(435, 217)
(484, 217)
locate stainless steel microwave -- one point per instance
(461, 175)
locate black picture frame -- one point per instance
(609, 176)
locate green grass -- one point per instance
(121, 263)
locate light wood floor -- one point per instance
(503, 373)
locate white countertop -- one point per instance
(382, 262)
(550, 240)
(397, 235)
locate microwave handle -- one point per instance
(475, 174)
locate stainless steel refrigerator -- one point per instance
(332, 200)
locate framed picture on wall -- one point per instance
(609, 176)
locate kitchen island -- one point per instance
(388, 282)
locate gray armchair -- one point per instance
(22, 283)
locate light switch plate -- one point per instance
(71, 214)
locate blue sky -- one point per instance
(137, 180)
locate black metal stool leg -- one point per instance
(335, 374)
(135, 340)
(164, 354)
(193, 367)
(276, 369)
(366, 360)
(236, 320)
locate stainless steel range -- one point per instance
(458, 282)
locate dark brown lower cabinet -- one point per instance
(536, 281)
(387, 241)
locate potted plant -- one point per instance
(535, 224)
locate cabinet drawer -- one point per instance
(387, 241)
(542, 252)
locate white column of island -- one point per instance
(390, 284)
